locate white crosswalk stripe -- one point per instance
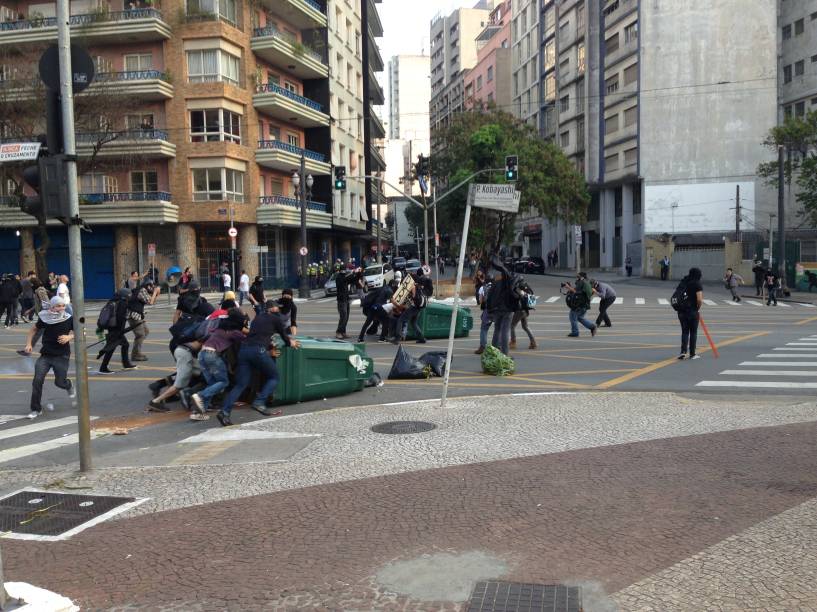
(619, 300)
(757, 384)
(34, 427)
(663, 301)
(789, 355)
(639, 301)
(731, 303)
(710, 302)
(553, 299)
(753, 303)
(34, 448)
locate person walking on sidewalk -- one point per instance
(115, 334)
(760, 278)
(688, 312)
(732, 281)
(141, 296)
(254, 354)
(578, 300)
(608, 298)
(57, 332)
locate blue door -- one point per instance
(97, 259)
(10, 252)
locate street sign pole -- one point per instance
(74, 237)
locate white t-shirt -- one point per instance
(244, 283)
(228, 281)
(62, 291)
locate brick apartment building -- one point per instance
(220, 100)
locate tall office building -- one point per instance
(798, 57)
(488, 83)
(228, 97)
(525, 60)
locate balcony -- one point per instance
(287, 106)
(375, 24)
(377, 129)
(284, 211)
(378, 163)
(287, 158)
(142, 84)
(303, 14)
(106, 209)
(375, 59)
(375, 92)
(148, 143)
(282, 49)
(121, 27)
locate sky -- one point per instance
(406, 24)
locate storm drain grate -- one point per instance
(493, 596)
(46, 515)
(403, 427)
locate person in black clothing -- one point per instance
(373, 309)
(10, 290)
(116, 335)
(772, 284)
(257, 295)
(760, 277)
(812, 280)
(343, 280)
(688, 316)
(57, 333)
(500, 305)
(288, 310)
(419, 300)
(254, 354)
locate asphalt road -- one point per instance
(762, 350)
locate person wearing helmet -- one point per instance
(115, 334)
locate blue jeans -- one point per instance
(242, 295)
(215, 373)
(502, 331)
(251, 358)
(576, 317)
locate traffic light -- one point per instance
(423, 167)
(340, 178)
(49, 180)
(32, 205)
(511, 171)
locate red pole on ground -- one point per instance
(708, 337)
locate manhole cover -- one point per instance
(490, 596)
(403, 427)
(46, 515)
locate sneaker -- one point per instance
(533, 345)
(261, 409)
(682, 356)
(223, 418)
(34, 414)
(593, 330)
(198, 403)
(360, 338)
(382, 339)
(339, 336)
(129, 366)
(139, 358)
(572, 335)
(479, 351)
(154, 406)
(694, 356)
(106, 371)
(512, 344)
(72, 391)
(199, 417)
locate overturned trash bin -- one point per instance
(435, 321)
(322, 367)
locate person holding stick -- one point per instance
(688, 312)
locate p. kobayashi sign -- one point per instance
(504, 198)
(19, 151)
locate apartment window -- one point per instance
(631, 157)
(564, 104)
(799, 68)
(814, 16)
(102, 64)
(631, 74)
(216, 124)
(786, 32)
(550, 87)
(580, 133)
(550, 55)
(800, 109)
(787, 111)
(138, 61)
(490, 74)
(611, 84)
(273, 79)
(564, 139)
(144, 180)
(211, 65)
(564, 32)
(225, 9)
(611, 162)
(218, 184)
(580, 18)
(631, 32)
(611, 44)
(630, 116)
(291, 87)
(564, 67)
(611, 124)
(636, 200)
(799, 27)
(580, 59)
(479, 82)
(98, 183)
(787, 74)
(610, 9)
(814, 59)
(143, 121)
(293, 140)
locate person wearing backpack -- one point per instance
(687, 300)
(578, 300)
(373, 309)
(112, 320)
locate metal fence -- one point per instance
(709, 259)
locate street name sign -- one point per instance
(19, 151)
(504, 198)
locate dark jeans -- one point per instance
(758, 288)
(343, 316)
(772, 296)
(252, 358)
(411, 315)
(374, 317)
(664, 272)
(521, 316)
(115, 339)
(41, 368)
(502, 330)
(689, 331)
(8, 309)
(603, 306)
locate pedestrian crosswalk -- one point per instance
(791, 367)
(21, 438)
(642, 301)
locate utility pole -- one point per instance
(737, 213)
(436, 240)
(303, 286)
(781, 216)
(74, 236)
(771, 238)
(232, 248)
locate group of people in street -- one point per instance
(504, 300)
(21, 298)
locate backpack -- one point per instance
(107, 316)
(680, 301)
(205, 328)
(185, 329)
(370, 299)
(577, 300)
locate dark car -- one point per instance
(399, 264)
(530, 265)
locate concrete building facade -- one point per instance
(488, 83)
(525, 35)
(797, 51)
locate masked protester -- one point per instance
(115, 334)
(288, 311)
(256, 295)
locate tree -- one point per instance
(799, 136)
(477, 140)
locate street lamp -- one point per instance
(304, 191)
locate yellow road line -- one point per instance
(596, 359)
(662, 364)
(510, 383)
(805, 321)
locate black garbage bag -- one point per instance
(436, 361)
(406, 366)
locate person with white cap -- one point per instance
(57, 333)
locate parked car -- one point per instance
(376, 276)
(399, 264)
(412, 265)
(530, 265)
(330, 287)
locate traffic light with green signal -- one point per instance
(511, 168)
(340, 178)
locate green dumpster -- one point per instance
(435, 321)
(322, 367)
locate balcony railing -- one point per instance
(49, 22)
(293, 202)
(131, 75)
(298, 46)
(125, 196)
(136, 134)
(273, 88)
(283, 146)
(315, 6)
